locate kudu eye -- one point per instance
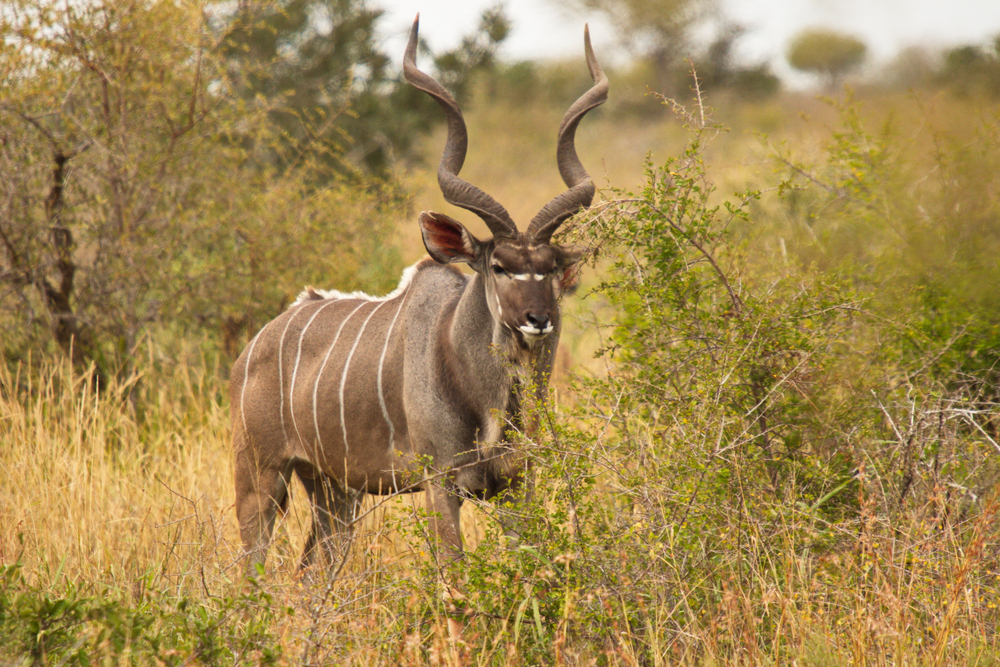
(499, 270)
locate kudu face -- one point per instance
(521, 280)
(523, 277)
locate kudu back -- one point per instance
(357, 394)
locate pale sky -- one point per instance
(541, 29)
(544, 29)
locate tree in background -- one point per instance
(717, 68)
(330, 88)
(327, 83)
(660, 33)
(912, 67)
(142, 194)
(476, 53)
(827, 53)
(658, 30)
(971, 69)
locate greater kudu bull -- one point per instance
(356, 393)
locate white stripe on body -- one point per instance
(347, 364)
(319, 442)
(295, 370)
(246, 375)
(281, 374)
(309, 296)
(381, 362)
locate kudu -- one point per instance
(357, 394)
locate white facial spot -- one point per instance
(539, 276)
(520, 276)
(533, 333)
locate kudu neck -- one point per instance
(479, 338)
(497, 357)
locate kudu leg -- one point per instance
(445, 506)
(260, 493)
(333, 511)
(519, 493)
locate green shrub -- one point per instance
(82, 627)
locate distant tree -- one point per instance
(913, 67)
(717, 68)
(319, 67)
(659, 30)
(972, 69)
(135, 199)
(757, 82)
(827, 53)
(966, 58)
(329, 87)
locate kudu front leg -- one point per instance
(445, 505)
(518, 493)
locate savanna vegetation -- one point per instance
(772, 434)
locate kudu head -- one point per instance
(523, 272)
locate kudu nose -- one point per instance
(539, 321)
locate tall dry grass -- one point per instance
(121, 486)
(126, 495)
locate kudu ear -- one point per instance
(569, 256)
(447, 240)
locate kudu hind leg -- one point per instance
(260, 493)
(333, 511)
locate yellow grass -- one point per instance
(91, 491)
